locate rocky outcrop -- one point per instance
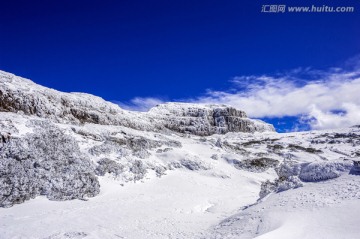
(46, 162)
(256, 165)
(106, 165)
(19, 95)
(206, 120)
(22, 96)
(319, 171)
(292, 175)
(279, 185)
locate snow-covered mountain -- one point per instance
(178, 171)
(23, 96)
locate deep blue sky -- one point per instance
(170, 49)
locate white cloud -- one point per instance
(321, 99)
(140, 103)
(328, 120)
(312, 94)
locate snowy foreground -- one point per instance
(214, 200)
(182, 205)
(80, 167)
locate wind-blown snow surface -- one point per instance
(202, 184)
(195, 189)
(61, 178)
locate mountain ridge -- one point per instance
(21, 95)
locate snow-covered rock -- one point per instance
(318, 171)
(256, 164)
(279, 185)
(206, 119)
(23, 96)
(46, 162)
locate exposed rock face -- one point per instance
(19, 95)
(256, 165)
(206, 119)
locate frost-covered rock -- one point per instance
(163, 150)
(160, 170)
(214, 157)
(137, 146)
(47, 162)
(206, 119)
(138, 169)
(291, 173)
(194, 165)
(318, 171)
(106, 165)
(288, 169)
(218, 143)
(256, 165)
(313, 172)
(279, 185)
(23, 96)
(190, 162)
(109, 147)
(288, 183)
(18, 181)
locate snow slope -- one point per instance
(328, 209)
(62, 178)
